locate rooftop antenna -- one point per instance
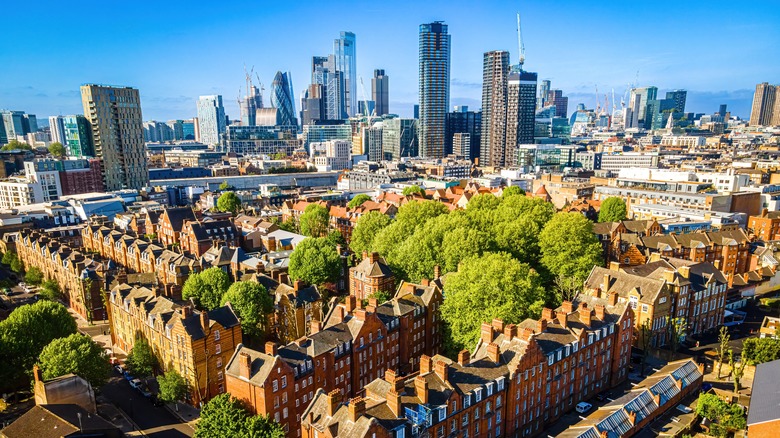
(520, 42)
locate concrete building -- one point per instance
(495, 74)
(57, 129)
(521, 113)
(117, 133)
(766, 106)
(380, 92)
(461, 144)
(331, 155)
(434, 87)
(78, 142)
(211, 119)
(461, 120)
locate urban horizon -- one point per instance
(168, 95)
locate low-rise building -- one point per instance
(372, 275)
(763, 418)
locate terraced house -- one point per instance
(197, 344)
(520, 378)
(81, 276)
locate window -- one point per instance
(219, 375)
(219, 362)
(217, 349)
(284, 381)
(275, 385)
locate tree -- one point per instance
(51, 290)
(207, 287)
(226, 416)
(24, 334)
(141, 361)
(336, 238)
(612, 209)
(279, 156)
(289, 225)
(761, 350)
(381, 296)
(569, 247)
(17, 265)
(315, 261)
(413, 190)
(16, 145)
(358, 200)
(229, 202)
(512, 191)
(737, 369)
(252, 304)
(723, 348)
(677, 329)
(173, 387)
(725, 417)
(488, 287)
(34, 276)
(314, 221)
(57, 149)
(8, 257)
(77, 354)
(411, 216)
(566, 288)
(225, 186)
(367, 228)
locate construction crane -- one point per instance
(365, 100)
(262, 89)
(520, 45)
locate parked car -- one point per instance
(144, 390)
(135, 383)
(583, 407)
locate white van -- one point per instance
(583, 407)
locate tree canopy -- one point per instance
(492, 286)
(77, 354)
(366, 230)
(225, 416)
(34, 276)
(251, 302)
(760, 350)
(315, 261)
(57, 149)
(512, 191)
(413, 190)
(15, 145)
(173, 387)
(24, 334)
(314, 221)
(141, 360)
(569, 247)
(207, 287)
(358, 200)
(50, 290)
(229, 202)
(725, 417)
(613, 209)
(224, 185)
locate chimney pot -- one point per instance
(464, 356)
(334, 399)
(356, 407)
(245, 365)
(270, 348)
(426, 364)
(493, 352)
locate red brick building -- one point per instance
(370, 276)
(765, 226)
(171, 223)
(198, 237)
(76, 181)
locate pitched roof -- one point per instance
(623, 283)
(56, 421)
(261, 365)
(177, 216)
(378, 268)
(765, 401)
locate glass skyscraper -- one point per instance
(211, 119)
(344, 53)
(380, 92)
(78, 136)
(434, 88)
(282, 99)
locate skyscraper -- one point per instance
(544, 90)
(638, 105)
(249, 106)
(211, 119)
(17, 123)
(345, 62)
(521, 112)
(679, 97)
(57, 129)
(77, 131)
(399, 138)
(380, 92)
(327, 95)
(495, 74)
(764, 105)
(117, 134)
(282, 99)
(434, 87)
(559, 101)
(461, 120)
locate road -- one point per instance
(155, 422)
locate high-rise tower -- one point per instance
(211, 119)
(434, 87)
(765, 104)
(345, 53)
(57, 129)
(282, 99)
(117, 133)
(495, 75)
(380, 86)
(521, 105)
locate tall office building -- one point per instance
(766, 106)
(399, 138)
(372, 141)
(637, 104)
(521, 112)
(16, 123)
(57, 129)
(211, 119)
(380, 92)
(461, 120)
(250, 104)
(77, 131)
(345, 53)
(327, 95)
(282, 99)
(117, 134)
(679, 97)
(434, 88)
(495, 76)
(559, 101)
(544, 90)
(313, 105)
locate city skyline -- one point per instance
(716, 64)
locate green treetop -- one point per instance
(613, 209)
(77, 354)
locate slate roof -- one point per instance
(377, 269)
(177, 216)
(261, 366)
(56, 421)
(623, 283)
(765, 400)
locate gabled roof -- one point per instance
(261, 365)
(57, 421)
(177, 216)
(623, 283)
(765, 400)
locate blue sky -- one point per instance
(174, 51)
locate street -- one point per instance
(154, 421)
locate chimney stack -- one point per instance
(567, 307)
(270, 348)
(334, 399)
(204, 321)
(316, 326)
(436, 272)
(365, 254)
(541, 325)
(510, 331)
(525, 334)
(245, 365)
(37, 373)
(356, 408)
(442, 370)
(613, 298)
(394, 402)
(563, 319)
(297, 286)
(360, 314)
(486, 333)
(599, 312)
(585, 314)
(492, 352)
(614, 266)
(605, 284)
(351, 303)
(548, 314)
(373, 257)
(373, 302)
(464, 356)
(421, 389)
(338, 314)
(685, 271)
(426, 364)
(185, 311)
